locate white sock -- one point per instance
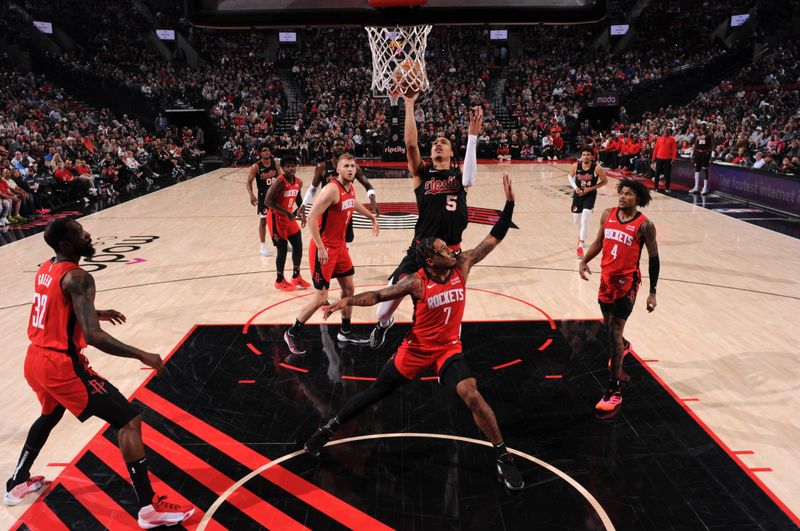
(696, 180)
(584, 223)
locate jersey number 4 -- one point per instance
(614, 251)
(39, 306)
(451, 204)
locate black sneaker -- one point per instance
(508, 473)
(378, 336)
(315, 443)
(295, 344)
(351, 337)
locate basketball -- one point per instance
(407, 75)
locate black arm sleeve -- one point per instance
(654, 267)
(501, 227)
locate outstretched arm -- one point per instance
(467, 259)
(410, 137)
(408, 285)
(471, 158)
(79, 286)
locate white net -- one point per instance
(398, 59)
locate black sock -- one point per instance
(345, 328)
(613, 384)
(500, 449)
(296, 328)
(295, 272)
(279, 278)
(23, 470)
(141, 481)
(333, 424)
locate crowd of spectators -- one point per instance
(55, 149)
(752, 119)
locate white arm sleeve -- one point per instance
(470, 162)
(309, 195)
(572, 182)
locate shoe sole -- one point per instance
(341, 339)
(168, 523)
(309, 452)
(11, 502)
(502, 479)
(383, 341)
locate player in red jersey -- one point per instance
(328, 253)
(283, 229)
(623, 232)
(438, 290)
(62, 322)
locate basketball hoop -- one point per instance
(398, 59)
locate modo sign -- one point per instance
(606, 99)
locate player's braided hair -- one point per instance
(425, 250)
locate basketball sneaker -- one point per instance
(378, 335)
(315, 443)
(295, 344)
(284, 286)
(16, 495)
(626, 349)
(264, 250)
(579, 251)
(351, 337)
(299, 283)
(508, 473)
(610, 400)
(161, 512)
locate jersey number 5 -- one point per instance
(451, 202)
(39, 306)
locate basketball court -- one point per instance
(707, 435)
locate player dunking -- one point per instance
(701, 156)
(63, 320)
(328, 252)
(283, 229)
(623, 232)
(264, 172)
(438, 290)
(326, 172)
(441, 194)
(585, 177)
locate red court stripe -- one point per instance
(359, 378)
(254, 349)
(546, 344)
(552, 376)
(109, 454)
(426, 378)
(57, 464)
(107, 511)
(649, 361)
(744, 452)
(689, 399)
(504, 365)
(764, 469)
(292, 367)
(40, 518)
(247, 381)
(321, 500)
(253, 506)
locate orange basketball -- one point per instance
(407, 75)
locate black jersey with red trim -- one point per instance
(442, 205)
(266, 175)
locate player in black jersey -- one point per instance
(264, 172)
(701, 156)
(441, 193)
(326, 172)
(585, 177)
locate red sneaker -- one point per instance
(610, 400)
(161, 512)
(284, 286)
(299, 283)
(580, 251)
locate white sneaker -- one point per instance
(694, 190)
(15, 496)
(3, 222)
(92, 191)
(705, 191)
(161, 512)
(265, 250)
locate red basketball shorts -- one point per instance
(338, 265)
(281, 227)
(410, 360)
